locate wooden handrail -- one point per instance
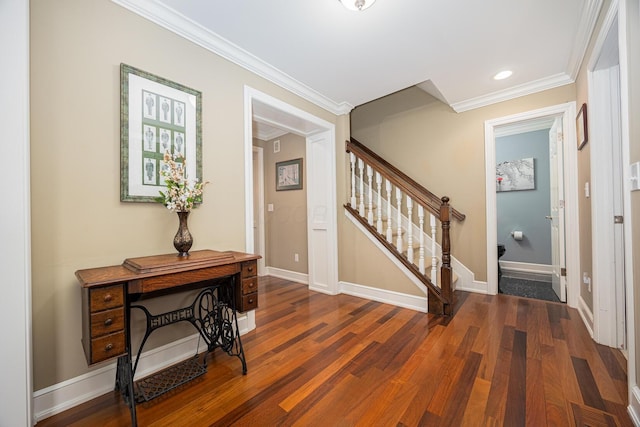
(416, 191)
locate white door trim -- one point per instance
(260, 247)
(314, 129)
(16, 405)
(572, 244)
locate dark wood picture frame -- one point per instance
(582, 130)
(289, 175)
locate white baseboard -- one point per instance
(475, 286)
(412, 302)
(526, 270)
(294, 276)
(67, 394)
(634, 405)
(586, 314)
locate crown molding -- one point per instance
(586, 26)
(513, 92)
(177, 23)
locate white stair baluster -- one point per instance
(410, 229)
(352, 158)
(379, 186)
(434, 258)
(421, 255)
(361, 195)
(399, 218)
(370, 195)
(389, 228)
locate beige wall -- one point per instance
(444, 151)
(78, 220)
(286, 225)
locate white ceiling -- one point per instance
(340, 59)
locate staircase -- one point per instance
(407, 219)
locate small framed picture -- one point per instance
(289, 175)
(582, 131)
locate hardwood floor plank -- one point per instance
(473, 414)
(321, 360)
(500, 380)
(588, 387)
(554, 396)
(515, 411)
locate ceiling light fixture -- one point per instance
(503, 75)
(357, 4)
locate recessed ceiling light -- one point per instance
(503, 75)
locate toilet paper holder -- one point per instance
(517, 235)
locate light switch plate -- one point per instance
(634, 172)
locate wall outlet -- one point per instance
(296, 258)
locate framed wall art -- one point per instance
(582, 132)
(515, 175)
(157, 116)
(289, 175)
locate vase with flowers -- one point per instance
(182, 195)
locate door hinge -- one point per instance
(563, 272)
(618, 219)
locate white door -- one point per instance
(258, 208)
(321, 236)
(556, 216)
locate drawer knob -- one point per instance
(108, 322)
(250, 300)
(108, 298)
(250, 268)
(108, 347)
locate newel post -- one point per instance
(445, 270)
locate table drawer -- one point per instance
(107, 322)
(106, 298)
(106, 347)
(249, 269)
(249, 302)
(249, 285)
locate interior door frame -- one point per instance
(607, 87)
(259, 248)
(570, 174)
(320, 175)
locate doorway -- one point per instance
(320, 178)
(607, 204)
(492, 128)
(530, 210)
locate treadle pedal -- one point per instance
(154, 385)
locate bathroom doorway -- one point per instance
(534, 247)
(529, 198)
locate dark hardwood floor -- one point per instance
(319, 360)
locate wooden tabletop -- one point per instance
(150, 266)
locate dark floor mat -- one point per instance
(528, 288)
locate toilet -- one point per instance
(501, 251)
